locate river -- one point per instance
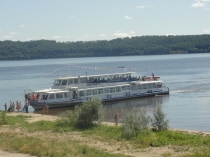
(187, 76)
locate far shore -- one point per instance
(38, 117)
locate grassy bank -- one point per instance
(47, 138)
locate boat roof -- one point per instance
(51, 91)
(100, 75)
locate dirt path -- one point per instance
(13, 154)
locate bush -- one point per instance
(135, 121)
(159, 122)
(86, 114)
(3, 120)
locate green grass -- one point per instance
(196, 145)
(50, 147)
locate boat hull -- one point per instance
(73, 102)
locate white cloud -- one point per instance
(12, 33)
(103, 35)
(170, 34)
(206, 31)
(22, 25)
(85, 36)
(132, 32)
(45, 38)
(198, 4)
(140, 7)
(119, 34)
(27, 25)
(8, 37)
(28, 39)
(56, 37)
(151, 6)
(128, 17)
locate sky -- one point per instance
(91, 20)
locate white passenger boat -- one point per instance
(68, 91)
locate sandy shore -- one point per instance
(34, 116)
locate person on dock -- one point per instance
(45, 109)
(116, 118)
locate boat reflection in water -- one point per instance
(120, 107)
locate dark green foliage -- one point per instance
(159, 122)
(144, 45)
(134, 122)
(3, 119)
(85, 115)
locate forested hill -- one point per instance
(144, 45)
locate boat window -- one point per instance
(106, 90)
(117, 89)
(75, 81)
(64, 82)
(81, 93)
(123, 88)
(134, 86)
(70, 81)
(94, 91)
(128, 87)
(112, 90)
(144, 86)
(44, 97)
(100, 91)
(82, 80)
(149, 86)
(52, 96)
(159, 85)
(89, 80)
(65, 95)
(88, 92)
(139, 87)
(59, 95)
(57, 82)
(154, 85)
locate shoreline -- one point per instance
(38, 117)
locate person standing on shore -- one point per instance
(13, 107)
(116, 118)
(18, 107)
(26, 106)
(10, 107)
(45, 109)
(5, 106)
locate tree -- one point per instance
(159, 122)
